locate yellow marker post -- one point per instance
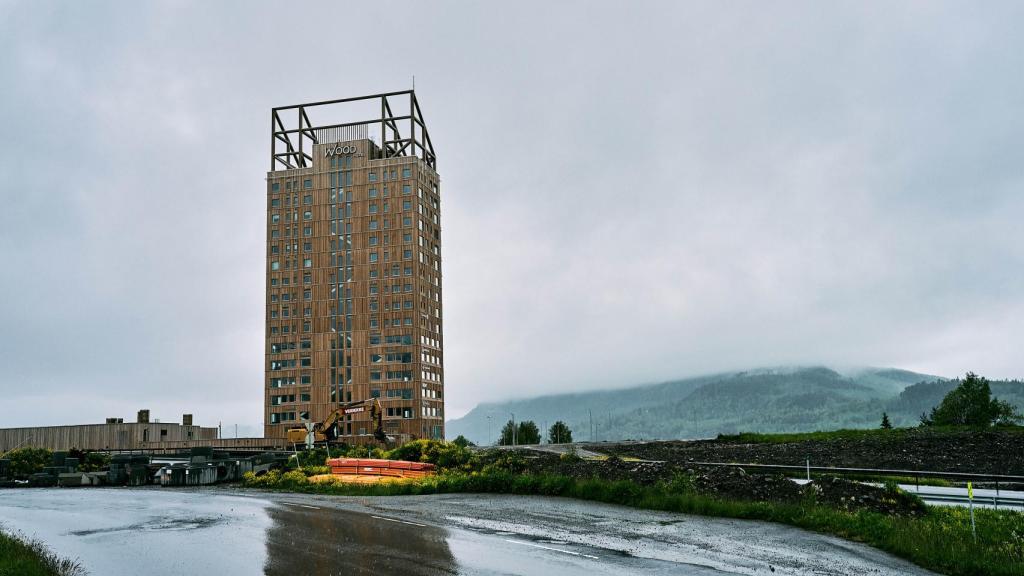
(970, 503)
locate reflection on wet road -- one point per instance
(224, 532)
(307, 540)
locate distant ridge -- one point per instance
(775, 399)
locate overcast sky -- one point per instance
(631, 191)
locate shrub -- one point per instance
(27, 461)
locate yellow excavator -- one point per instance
(327, 430)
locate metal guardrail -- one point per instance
(997, 478)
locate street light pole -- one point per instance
(488, 429)
(513, 428)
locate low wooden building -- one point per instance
(113, 435)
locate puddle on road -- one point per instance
(156, 525)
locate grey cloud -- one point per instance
(631, 192)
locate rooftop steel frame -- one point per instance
(297, 142)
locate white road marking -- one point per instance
(302, 505)
(399, 521)
(552, 549)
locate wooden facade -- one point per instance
(131, 436)
(353, 292)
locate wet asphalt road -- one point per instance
(226, 532)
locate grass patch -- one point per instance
(784, 438)
(940, 540)
(25, 557)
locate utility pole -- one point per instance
(513, 428)
(591, 424)
(489, 429)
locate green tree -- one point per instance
(462, 442)
(885, 422)
(559, 433)
(508, 434)
(528, 433)
(971, 404)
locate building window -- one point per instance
(307, 199)
(373, 192)
(406, 189)
(373, 240)
(307, 263)
(275, 187)
(372, 176)
(407, 254)
(275, 218)
(275, 265)
(406, 173)
(307, 279)
(373, 224)
(306, 379)
(373, 257)
(406, 205)
(407, 221)
(307, 183)
(307, 215)
(307, 247)
(373, 207)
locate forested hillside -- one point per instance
(768, 400)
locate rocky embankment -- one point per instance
(724, 483)
(981, 452)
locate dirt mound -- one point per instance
(736, 483)
(847, 495)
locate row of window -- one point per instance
(407, 305)
(403, 375)
(287, 329)
(394, 322)
(275, 218)
(375, 339)
(290, 363)
(291, 200)
(372, 240)
(290, 264)
(307, 184)
(392, 272)
(399, 357)
(395, 288)
(307, 231)
(402, 393)
(375, 225)
(406, 255)
(283, 381)
(278, 347)
(406, 173)
(288, 248)
(289, 399)
(288, 297)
